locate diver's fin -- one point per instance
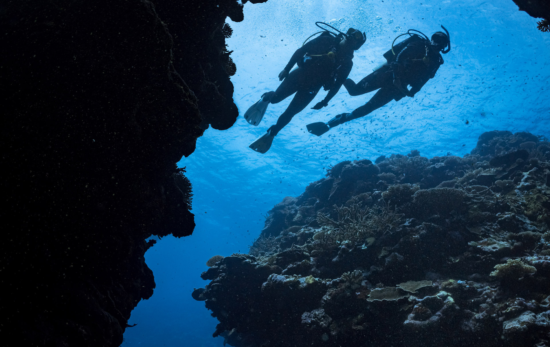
(318, 128)
(263, 144)
(256, 112)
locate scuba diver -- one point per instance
(412, 62)
(325, 61)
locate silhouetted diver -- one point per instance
(325, 61)
(412, 62)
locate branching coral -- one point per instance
(408, 167)
(513, 269)
(212, 261)
(399, 194)
(384, 218)
(544, 25)
(355, 224)
(227, 31)
(352, 225)
(182, 182)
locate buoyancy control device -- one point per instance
(392, 54)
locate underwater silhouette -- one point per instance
(413, 62)
(325, 61)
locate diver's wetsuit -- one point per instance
(409, 66)
(312, 74)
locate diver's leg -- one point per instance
(298, 103)
(376, 80)
(381, 98)
(288, 87)
(353, 88)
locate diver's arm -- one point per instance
(397, 69)
(293, 60)
(401, 63)
(300, 52)
(327, 98)
(332, 92)
(336, 87)
(417, 85)
(295, 57)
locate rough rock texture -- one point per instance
(537, 9)
(406, 251)
(100, 99)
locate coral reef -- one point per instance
(212, 261)
(405, 251)
(514, 269)
(100, 100)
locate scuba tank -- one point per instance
(392, 54)
(327, 59)
(414, 36)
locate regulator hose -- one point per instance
(408, 33)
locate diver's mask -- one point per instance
(356, 38)
(443, 39)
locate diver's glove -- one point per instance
(320, 105)
(283, 74)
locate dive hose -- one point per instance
(318, 24)
(408, 33)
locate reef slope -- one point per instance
(405, 251)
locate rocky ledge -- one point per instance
(403, 251)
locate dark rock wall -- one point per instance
(537, 9)
(406, 251)
(205, 69)
(99, 101)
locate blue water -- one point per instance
(497, 76)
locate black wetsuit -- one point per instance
(410, 67)
(314, 71)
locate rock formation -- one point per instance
(537, 9)
(100, 100)
(403, 251)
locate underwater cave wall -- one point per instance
(100, 100)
